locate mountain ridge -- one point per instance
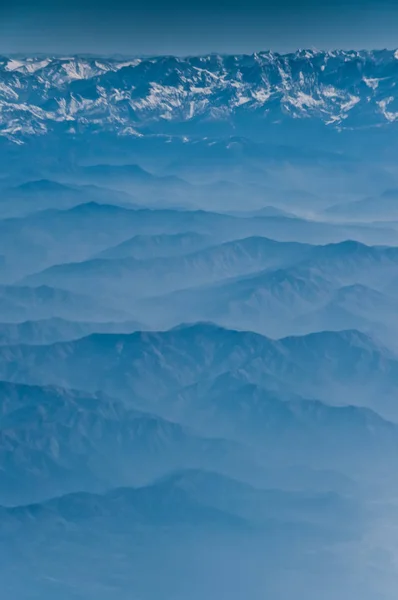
(337, 88)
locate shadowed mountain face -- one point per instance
(47, 331)
(340, 368)
(198, 327)
(54, 440)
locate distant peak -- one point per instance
(198, 326)
(42, 185)
(352, 336)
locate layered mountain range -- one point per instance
(198, 327)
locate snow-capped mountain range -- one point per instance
(341, 89)
(198, 327)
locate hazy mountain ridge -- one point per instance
(56, 440)
(44, 194)
(21, 303)
(48, 331)
(50, 237)
(210, 264)
(310, 279)
(337, 367)
(218, 499)
(157, 246)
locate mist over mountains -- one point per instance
(198, 327)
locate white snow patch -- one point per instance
(162, 97)
(131, 131)
(191, 111)
(303, 100)
(128, 63)
(241, 100)
(15, 127)
(64, 111)
(390, 116)
(261, 95)
(284, 77)
(346, 106)
(336, 119)
(331, 92)
(236, 84)
(36, 111)
(213, 75)
(206, 91)
(102, 66)
(27, 66)
(33, 66)
(8, 91)
(13, 65)
(79, 70)
(119, 95)
(371, 82)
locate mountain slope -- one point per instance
(133, 277)
(143, 247)
(284, 428)
(24, 303)
(336, 367)
(44, 194)
(266, 301)
(49, 331)
(306, 279)
(55, 440)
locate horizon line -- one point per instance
(119, 55)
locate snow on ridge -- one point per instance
(14, 65)
(8, 91)
(390, 116)
(36, 91)
(241, 100)
(371, 82)
(303, 100)
(29, 65)
(207, 72)
(127, 63)
(79, 70)
(261, 95)
(130, 131)
(351, 102)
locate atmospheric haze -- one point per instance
(199, 327)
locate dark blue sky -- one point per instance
(196, 26)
